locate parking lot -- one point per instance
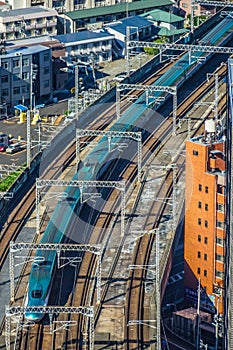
(19, 135)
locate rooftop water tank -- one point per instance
(210, 126)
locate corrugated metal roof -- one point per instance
(134, 21)
(108, 10)
(82, 35)
(162, 16)
(166, 32)
(24, 50)
(24, 11)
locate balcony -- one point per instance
(13, 28)
(51, 23)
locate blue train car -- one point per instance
(66, 212)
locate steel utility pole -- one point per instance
(28, 139)
(198, 314)
(76, 90)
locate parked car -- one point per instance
(13, 148)
(3, 147)
(69, 118)
(119, 77)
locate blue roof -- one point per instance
(21, 108)
(82, 35)
(24, 50)
(134, 21)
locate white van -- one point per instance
(13, 148)
(69, 118)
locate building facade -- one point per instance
(94, 17)
(167, 24)
(26, 76)
(86, 46)
(205, 233)
(139, 29)
(28, 22)
(62, 6)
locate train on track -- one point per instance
(68, 219)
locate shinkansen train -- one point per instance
(66, 219)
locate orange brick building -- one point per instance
(205, 187)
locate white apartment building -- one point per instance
(28, 22)
(88, 45)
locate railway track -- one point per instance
(136, 332)
(105, 289)
(84, 293)
(10, 234)
(87, 288)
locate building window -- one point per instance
(199, 238)
(198, 270)
(46, 70)
(16, 90)
(220, 207)
(195, 153)
(25, 89)
(15, 63)
(220, 224)
(16, 77)
(219, 274)
(25, 62)
(200, 187)
(206, 240)
(199, 221)
(206, 189)
(5, 92)
(199, 205)
(221, 189)
(206, 223)
(46, 83)
(5, 65)
(25, 75)
(206, 207)
(219, 257)
(205, 256)
(198, 254)
(4, 79)
(46, 57)
(205, 273)
(219, 241)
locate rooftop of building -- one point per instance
(25, 11)
(136, 22)
(166, 32)
(191, 313)
(26, 50)
(36, 40)
(83, 35)
(162, 16)
(112, 9)
(206, 141)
